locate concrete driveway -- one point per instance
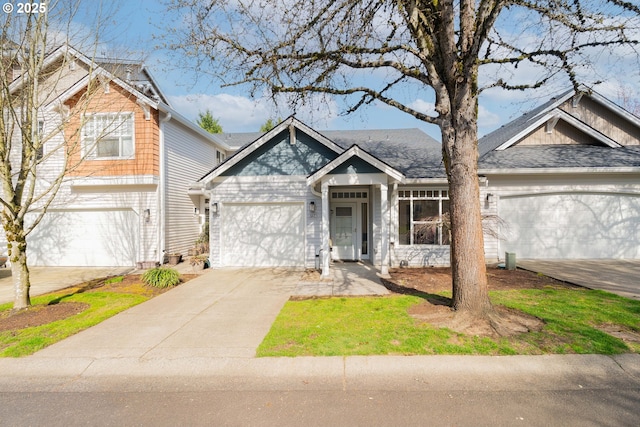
(222, 313)
(47, 279)
(620, 277)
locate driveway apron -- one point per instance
(224, 313)
(621, 277)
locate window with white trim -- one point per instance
(108, 135)
(423, 217)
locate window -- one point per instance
(423, 217)
(108, 135)
(220, 157)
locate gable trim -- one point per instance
(355, 151)
(288, 124)
(552, 116)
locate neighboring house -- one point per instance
(561, 181)
(125, 201)
(565, 180)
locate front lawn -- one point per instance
(576, 321)
(55, 316)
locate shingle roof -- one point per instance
(135, 74)
(561, 156)
(504, 133)
(411, 151)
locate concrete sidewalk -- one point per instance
(203, 336)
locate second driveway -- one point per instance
(224, 313)
(620, 277)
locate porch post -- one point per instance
(384, 230)
(326, 255)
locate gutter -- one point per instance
(540, 171)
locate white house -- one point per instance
(563, 181)
(125, 201)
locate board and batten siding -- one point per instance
(187, 157)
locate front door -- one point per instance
(344, 231)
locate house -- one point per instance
(124, 200)
(297, 197)
(564, 179)
(560, 181)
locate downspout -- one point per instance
(161, 189)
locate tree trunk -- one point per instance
(19, 271)
(460, 150)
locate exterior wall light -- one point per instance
(489, 197)
(146, 214)
(214, 208)
(312, 206)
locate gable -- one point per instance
(562, 133)
(604, 120)
(280, 157)
(355, 165)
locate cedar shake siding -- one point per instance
(145, 160)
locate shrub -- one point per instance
(161, 277)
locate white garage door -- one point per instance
(572, 226)
(95, 238)
(261, 235)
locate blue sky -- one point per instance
(138, 20)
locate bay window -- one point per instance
(423, 217)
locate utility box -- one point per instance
(510, 260)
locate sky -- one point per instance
(139, 20)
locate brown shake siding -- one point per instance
(146, 160)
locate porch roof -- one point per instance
(355, 152)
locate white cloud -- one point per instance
(244, 114)
(423, 106)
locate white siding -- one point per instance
(188, 156)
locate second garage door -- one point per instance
(85, 238)
(572, 226)
(261, 235)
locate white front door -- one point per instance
(344, 231)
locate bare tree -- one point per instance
(34, 136)
(337, 47)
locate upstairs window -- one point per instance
(423, 217)
(108, 135)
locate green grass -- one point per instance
(381, 325)
(102, 305)
(114, 279)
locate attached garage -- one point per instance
(92, 238)
(262, 235)
(571, 225)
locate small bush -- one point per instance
(161, 277)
